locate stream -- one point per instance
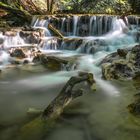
(97, 115)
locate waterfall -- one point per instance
(4, 57)
(41, 24)
(12, 41)
(118, 24)
(62, 25)
(77, 26)
(90, 25)
(49, 43)
(75, 21)
(94, 26)
(106, 33)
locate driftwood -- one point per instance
(38, 127)
(57, 32)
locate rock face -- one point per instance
(18, 52)
(32, 36)
(122, 65)
(56, 63)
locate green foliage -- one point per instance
(96, 6)
(77, 6)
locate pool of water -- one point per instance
(97, 115)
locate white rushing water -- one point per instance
(107, 34)
(95, 48)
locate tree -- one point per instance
(135, 6)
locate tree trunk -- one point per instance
(57, 32)
(51, 6)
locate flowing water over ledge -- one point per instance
(98, 115)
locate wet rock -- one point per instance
(118, 69)
(18, 52)
(136, 80)
(50, 62)
(136, 56)
(122, 52)
(71, 43)
(31, 37)
(109, 58)
(122, 65)
(26, 61)
(134, 107)
(10, 33)
(55, 62)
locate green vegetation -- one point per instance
(26, 8)
(76, 6)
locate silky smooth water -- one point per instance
(100, 114)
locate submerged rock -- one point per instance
(136, 80)
(50, 62)
(134, 107)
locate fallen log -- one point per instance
(57, 32)
(37, 128)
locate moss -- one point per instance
(36, 129)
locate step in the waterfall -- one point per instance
(83, 25)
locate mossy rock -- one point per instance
(136, 80)
(134, 107)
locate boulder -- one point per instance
(122, 52)
(121, 65)
(50, 62)
(118, 69)
(55, 62)
(31, 37)
(18, 52)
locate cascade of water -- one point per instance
(42, 24)
(91, 24)
(12, 41)
(34, 21)
(49, 43)
(116, 24)
(95, 26)
(4, 58)
(100, 27)
(62, 25)
(75, 22)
